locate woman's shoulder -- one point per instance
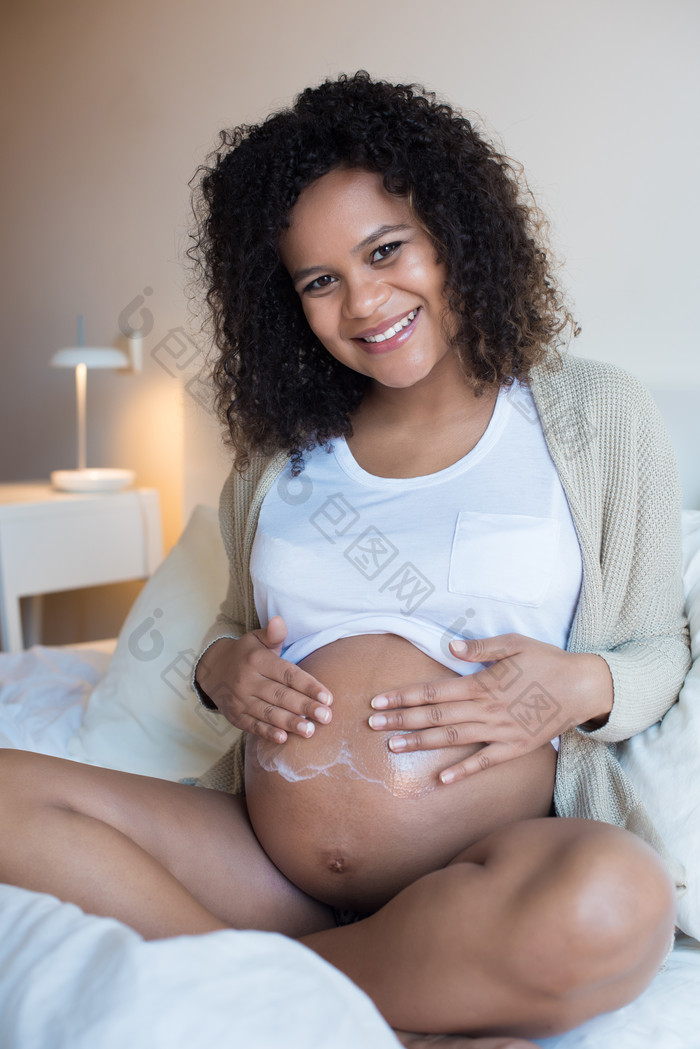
(243, 487)
(563, 383)
(593, 412)
(568, 374)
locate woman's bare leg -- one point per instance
(528, 933)
(162, 857)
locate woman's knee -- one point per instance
(602, 919)
(581, 915)
(621, 896)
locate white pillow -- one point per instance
(664, 762)
(143, 716)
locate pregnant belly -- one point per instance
(352, 823)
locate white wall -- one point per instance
(108, 108)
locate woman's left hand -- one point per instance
(528, 693)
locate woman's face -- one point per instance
(369, 280)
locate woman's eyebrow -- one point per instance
(380, 231)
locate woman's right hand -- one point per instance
(257, 690)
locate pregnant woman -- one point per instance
(455, 578)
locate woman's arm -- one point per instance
(239, 671)
(230, 622)
(649, 653)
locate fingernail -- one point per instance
(306, 728)
(379, 702)
(397, 742)
(280, 737)
(446, 777)
(458, 646)
(325, 697)
(323, 714)
(377, 721)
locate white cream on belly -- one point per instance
(403, 775)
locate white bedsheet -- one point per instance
(43, 693)
(69, 980)
(73, 981)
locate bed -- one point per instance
(71, 980)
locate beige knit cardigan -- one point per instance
(618, 470)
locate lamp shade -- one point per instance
(91, 357)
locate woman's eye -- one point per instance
(385, 250)
(319, 283)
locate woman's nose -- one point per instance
(364, 297)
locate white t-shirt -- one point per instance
(484, 547)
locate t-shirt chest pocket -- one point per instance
(503, 557)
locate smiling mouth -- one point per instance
(391, 331)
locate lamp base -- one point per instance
(92, 480)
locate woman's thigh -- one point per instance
(202, 837)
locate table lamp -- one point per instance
(82, 358)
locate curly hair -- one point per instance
(277, 388)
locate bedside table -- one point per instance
(52, 541)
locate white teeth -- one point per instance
(393, 330)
